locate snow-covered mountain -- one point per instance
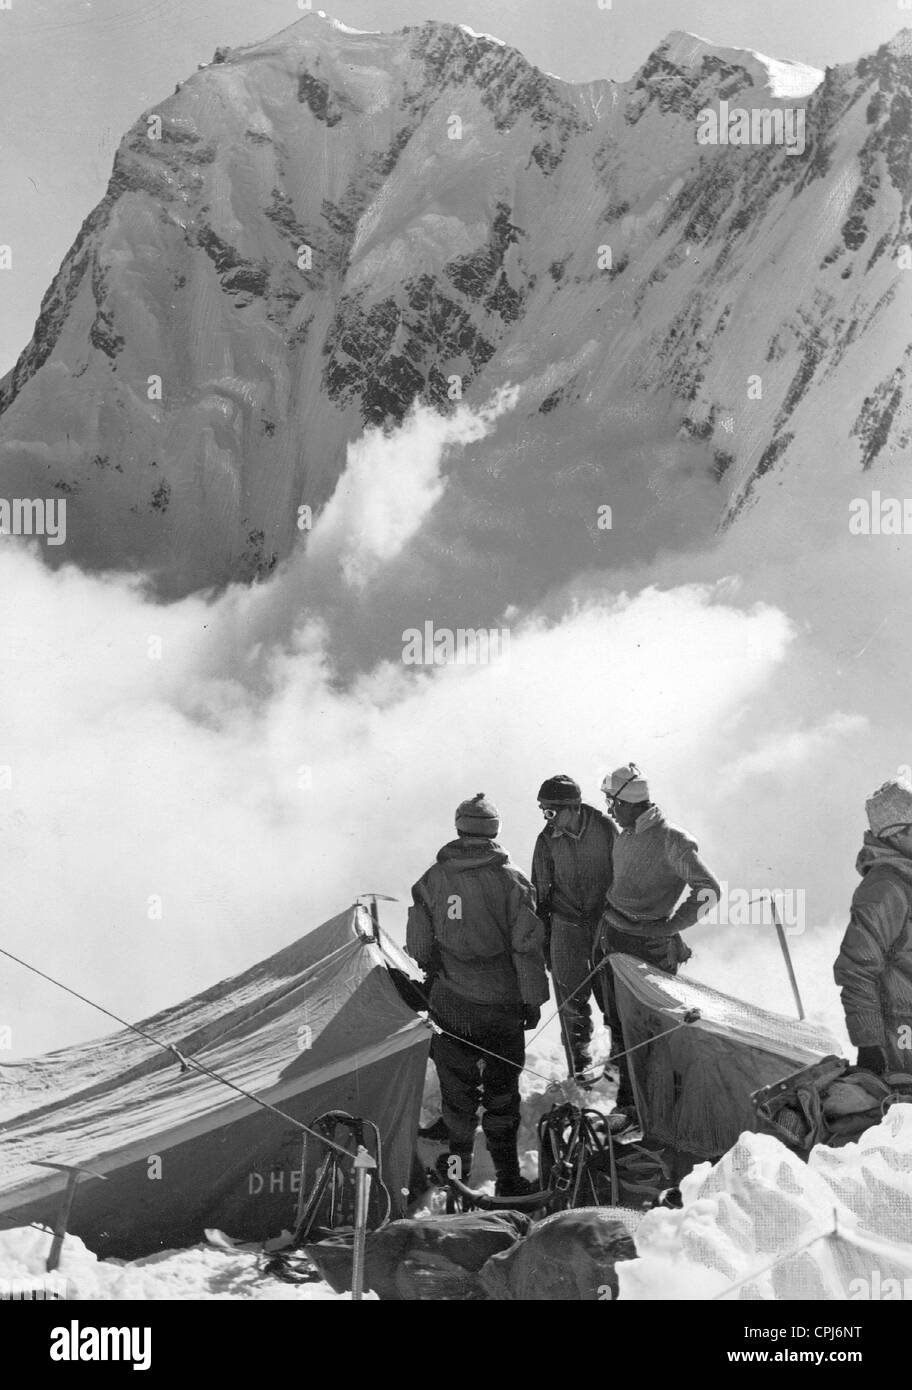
(316, 231)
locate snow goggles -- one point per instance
(635, 773)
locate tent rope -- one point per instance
(521, 1066)
(550, 1079)
(780, 1259)
(186, 1063)
(567, 997)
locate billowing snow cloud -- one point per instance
(186, 788)
(389, 485)
(169, 818)
(777, 753)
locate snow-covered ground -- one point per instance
(760, 1224)
(202, 1272)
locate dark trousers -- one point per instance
(571, 962)
(470, 1078)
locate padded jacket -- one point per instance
(874, 966)
(473, 929)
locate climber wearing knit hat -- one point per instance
(571, 871)
(874, 965)
(479, 817)
(645, 913)
(472, 928)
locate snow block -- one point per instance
(762, 1224)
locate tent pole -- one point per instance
(363, 1164)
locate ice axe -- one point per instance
(780, 932)
(373, 909)
(363, 1166)
(74, 1172)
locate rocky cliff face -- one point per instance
(315, 232)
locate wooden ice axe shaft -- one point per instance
(780, 932)
(363, 1164)
(74, 1172)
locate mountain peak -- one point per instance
(783, 78)
(324, 230)
(476, 34)
(901, 44)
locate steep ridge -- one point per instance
(314, 232)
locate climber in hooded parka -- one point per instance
(473, 929)
(874, 966)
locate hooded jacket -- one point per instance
(571, 873)
(472, 927)
(874, 965)
(653, 864)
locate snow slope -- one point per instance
(329, 226)
(782, 78)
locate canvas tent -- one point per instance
(693, 1086)
(318, 1026)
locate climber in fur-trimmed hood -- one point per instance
(874, 966)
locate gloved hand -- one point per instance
(532, 1016)
(872, 1059)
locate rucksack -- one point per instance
(584, 1163)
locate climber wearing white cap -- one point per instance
(874, 966)
(654, 863)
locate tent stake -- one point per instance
(363, 1164)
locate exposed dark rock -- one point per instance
(161, 497)
(875, 419)
(315, 93)
(722, 462)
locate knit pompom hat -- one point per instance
(478, 817)
(890, 808)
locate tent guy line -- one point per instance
(185, 1062)
(690, 1016)
(780, 1259)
